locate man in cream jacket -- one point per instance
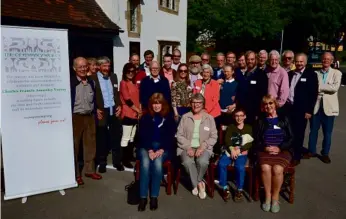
(326, 108)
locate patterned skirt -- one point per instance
(283, 158)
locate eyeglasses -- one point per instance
(231, 57)
(197, 103)
(239, 116)
(131, 71)
(269, 103)
(177, 56)
(288, 58)
(183, 71)
(205, 59)
(82, 67)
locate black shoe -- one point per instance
(102, 169)
(153, 204)
(128, 165)
(325, 159)
(119, 167)
(142, 204)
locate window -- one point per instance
(133, 16)
(166, 47)
(169, 6)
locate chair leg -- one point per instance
(177, 181)
(250, 183)
(207, 179)
(137, 169)
(212, 179)
(257, 185)
(169, 179)
(292, 188)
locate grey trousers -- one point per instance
(196, 167)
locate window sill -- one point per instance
(134, 35)
(167, 10)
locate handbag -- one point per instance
(133, 193)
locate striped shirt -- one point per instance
(274, 135)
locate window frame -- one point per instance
(172, 8)
(137, 33)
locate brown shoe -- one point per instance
(308, 155)
(325, 159)
(226, 195)
(238, 196)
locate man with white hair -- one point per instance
(262, 59)
(287, 60)
(278, 85)
(218, 74)
(326, 107)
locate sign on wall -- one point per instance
(36, 124)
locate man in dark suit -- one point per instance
(109, 129)
(301, 101)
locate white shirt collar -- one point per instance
(230, 81)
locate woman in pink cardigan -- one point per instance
(210, 89)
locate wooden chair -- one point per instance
(168, 183)
(207, 181)
(287, 186)
(231, 168)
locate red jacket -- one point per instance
(138, 78)
(128, 91)
(211, 95)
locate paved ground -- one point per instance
(320, 193)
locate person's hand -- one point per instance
(307, 115)
(275, 150)
(234, 154)
(152, 154)
(220, 81)
(99, 114)
(176, 117)
(139, 113)
(244, 152)
(159, 153)
(268, 149)
(199, 151)
(117, 111)
(190, 152)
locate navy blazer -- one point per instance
(305, 91)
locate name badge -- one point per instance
(206, 128)
(198, 88)
(276, 127)
(303, 79)
(253, 82)
(115, 85)
(138, 82)
(156, 80)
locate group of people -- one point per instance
(179, 109)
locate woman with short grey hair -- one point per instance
(196, 138)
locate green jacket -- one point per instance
(232, 130)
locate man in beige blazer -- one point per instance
(326, 108)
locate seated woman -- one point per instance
(274, 146)
(196, 137)
(156, 134)
(238, 141)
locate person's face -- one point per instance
(130, 73)
(167, 62)
(183, 72)
(105, 68)
(300, 62)
(287, 59)
(241, 62)
(327, 60)
(269, 107)
(206, 74)
(274, 61)
(157, 107)
(230, 59)
(148, 59)
(205, 59)
(239, 117)
(228, 71)
(81, 68)
(93, 68)
(220, 61)
(251, 60)
(155, 70)
(135, 60)
(176, 57)
(197, 106)
(195, 64)
(262, 59)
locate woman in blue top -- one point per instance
(274, 147)
(156, 134)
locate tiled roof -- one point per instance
(81, 13)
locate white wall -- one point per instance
(156, 25)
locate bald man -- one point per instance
(154, 83)
(82, 102)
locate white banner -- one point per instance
(36, 122)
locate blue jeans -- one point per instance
(239, 165)
(150, 170)
(327, 122)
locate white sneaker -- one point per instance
(195, 191)
(202, 194)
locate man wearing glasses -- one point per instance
(205, 58)
(230, 59)
(287, 60)
(176, 59)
